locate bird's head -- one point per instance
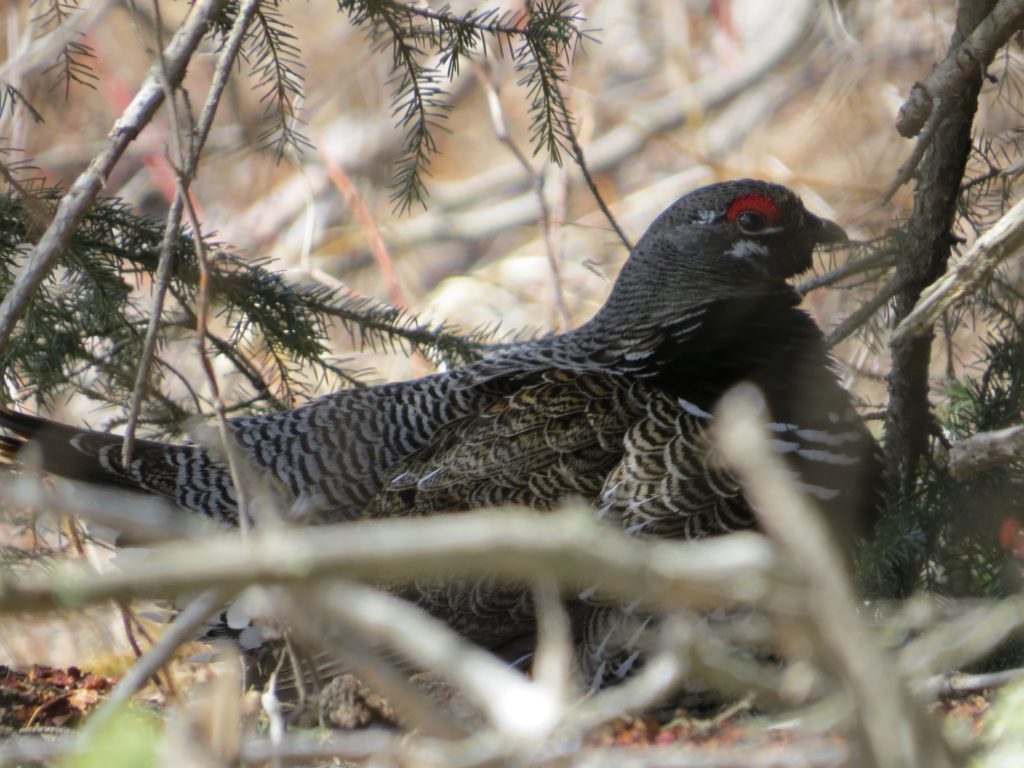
(725, 240)
(754, 225)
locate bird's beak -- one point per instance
(825, 231)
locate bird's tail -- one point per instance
(9, 447)
(186, 474)
(78, 454)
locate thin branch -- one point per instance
(509, 25)
(354, 654)
(179, 632)
(581, 161)
(554, 653)
(501, 131)
(657, 678)
(931, 101)
(959, 684)
(963, 639)
(965, 62)
(865, 312)
(362, 214)
(907, 168)
(172, 228)
(881, 259)
(228, 444)
(514, 705)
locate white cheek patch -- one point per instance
(705, 217)
(747, 248)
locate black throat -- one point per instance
(764, 339)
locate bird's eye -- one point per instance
(751, 221)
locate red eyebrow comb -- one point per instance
(753, 202)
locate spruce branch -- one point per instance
(539, 59)
(12, 98)
(93, 317)
(72, 64)
(546, 34)
(82, 194)
(276, 63)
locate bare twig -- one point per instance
(659, 676)
(173, 221)
(968, 60)
(864, 313)
(960, 684)
(83, 192)
(362, 214)
(931, 101)
(141, 519)
(807, 752)
(230, 448)
(963, 639)
(553, 656)
(581, 162)
(881, 259)
(908, 166)
(514, 705)
(350, 647)
(547, 229)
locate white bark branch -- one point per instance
(986, 450)
(521, 546)
(966, 274)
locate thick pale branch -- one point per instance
(514, 705)
(967, 274)
(568, 546)
(894, 730)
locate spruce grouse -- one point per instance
(615, 411)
